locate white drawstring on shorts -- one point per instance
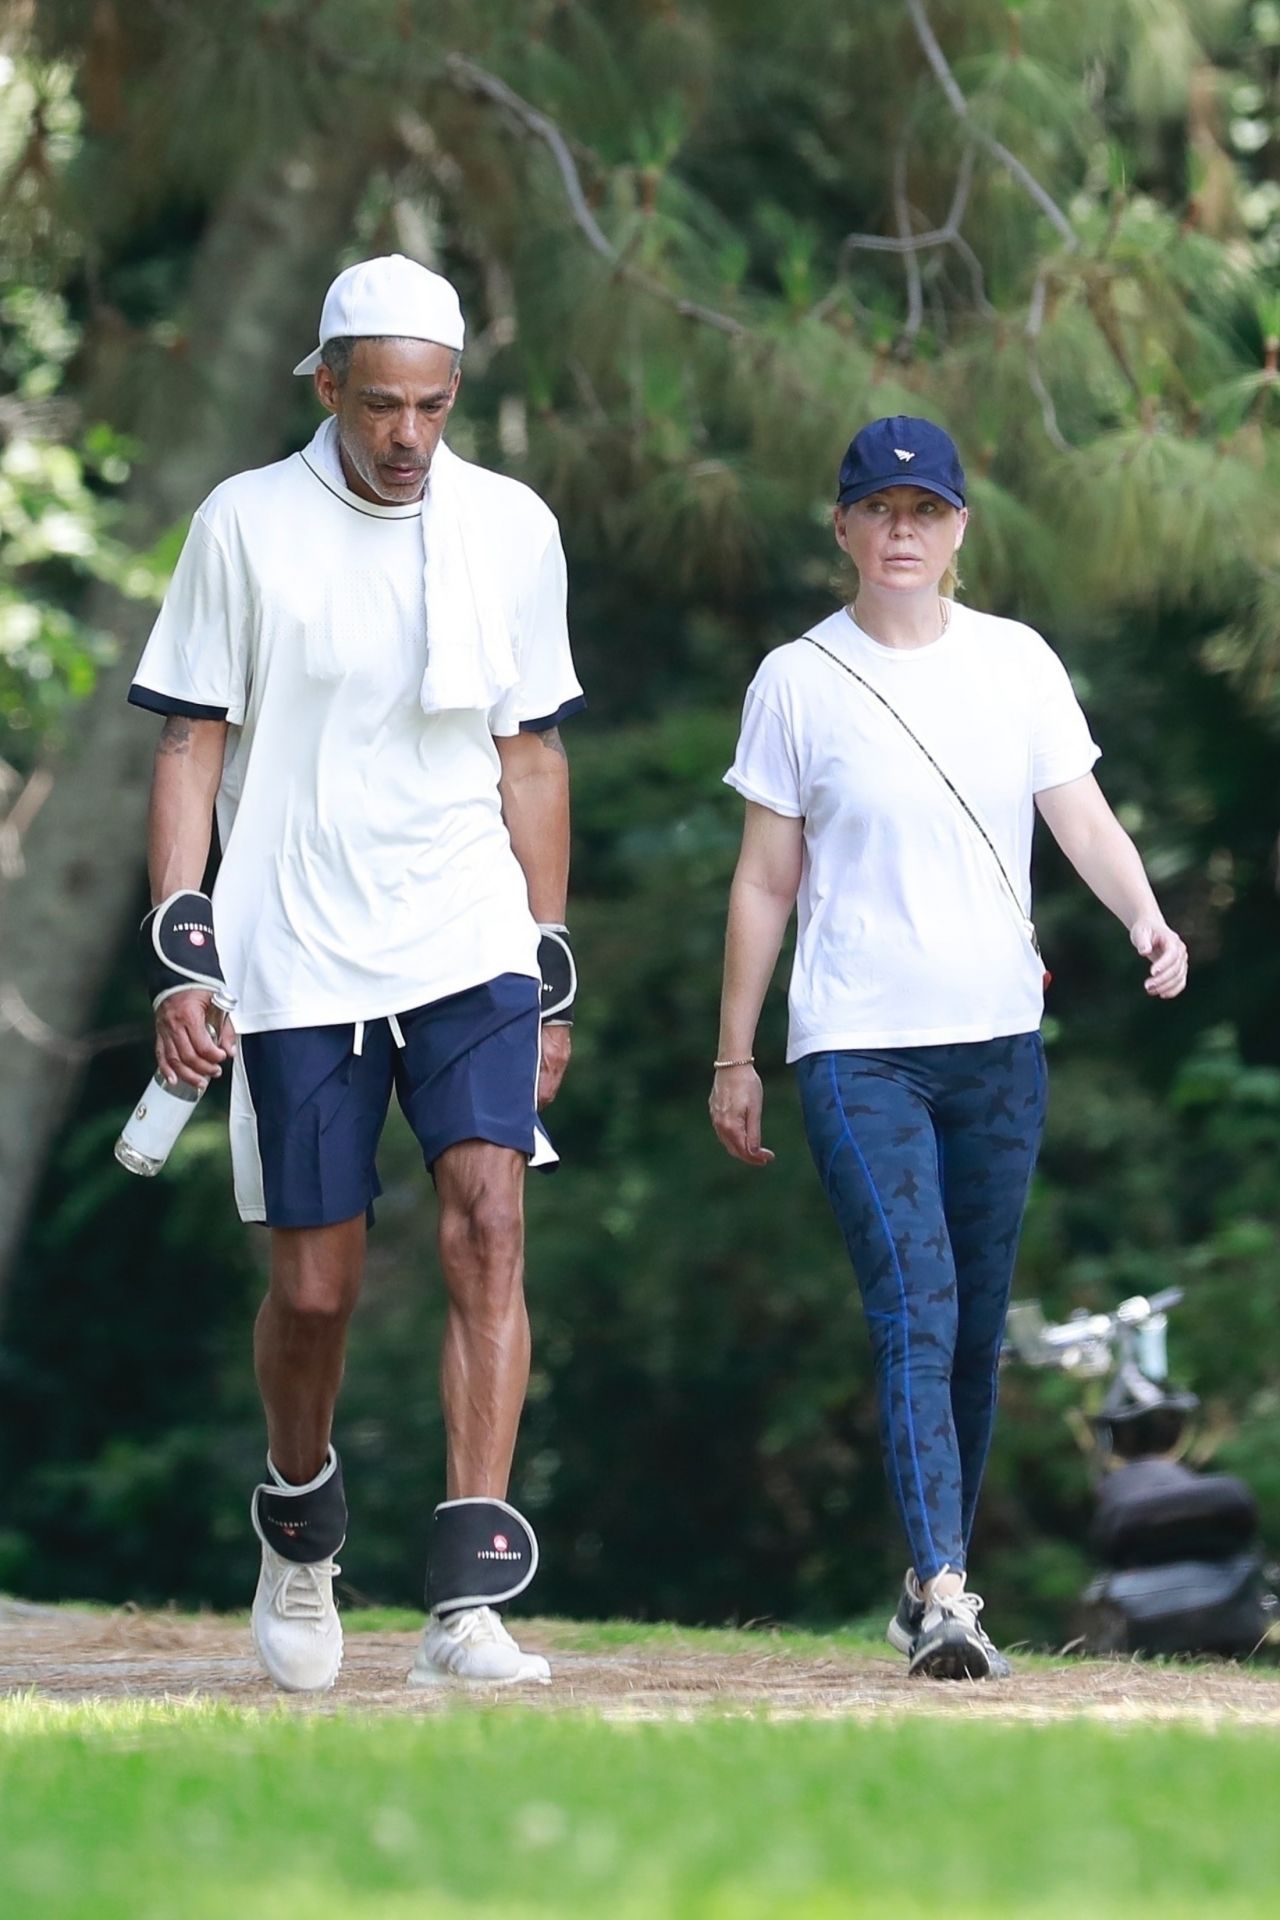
(357, 1036)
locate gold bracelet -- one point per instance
(748, 1062)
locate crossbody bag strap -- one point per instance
(946, 780)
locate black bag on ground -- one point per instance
(1187, 1606)
(1152, 1512)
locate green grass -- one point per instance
(145, 1812)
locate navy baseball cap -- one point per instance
(901, 452)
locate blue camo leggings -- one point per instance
(926, 1155)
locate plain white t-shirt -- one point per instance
(907, 935)
(366, 868)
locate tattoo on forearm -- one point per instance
(550, 738)
(175, 736)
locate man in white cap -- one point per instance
(363, 662)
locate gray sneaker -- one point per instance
(906, 1623)
(951, 1644)
(999, 1665)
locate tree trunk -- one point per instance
(255, 291)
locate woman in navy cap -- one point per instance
(892, 760)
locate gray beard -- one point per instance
(370, 475)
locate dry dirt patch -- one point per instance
(62, 1655)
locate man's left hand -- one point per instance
(557, 1044)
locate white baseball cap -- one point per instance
(391, 296)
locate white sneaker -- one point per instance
(295, 1624)
(473, 1646)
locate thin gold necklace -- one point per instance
(852, 610)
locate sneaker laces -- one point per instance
(301, 1592)
(477, 1625)
(969, 1606)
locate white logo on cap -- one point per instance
(903, 454)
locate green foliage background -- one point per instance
(700, 1440)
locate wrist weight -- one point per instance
(559, 974)
(179, 950)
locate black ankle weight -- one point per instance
(303, 1524)
(482, 1552)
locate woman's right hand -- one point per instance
(737, 1104)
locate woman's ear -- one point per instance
(837, 521)
(962, 521)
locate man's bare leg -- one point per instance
(300, 1511)
(300, 1340)
(484, 1373)
(484, 1367)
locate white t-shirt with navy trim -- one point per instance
(907, 935)
(366, 868)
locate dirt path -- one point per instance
(67, 1656)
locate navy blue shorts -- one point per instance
(308, 1108)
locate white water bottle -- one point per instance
(150, 1133)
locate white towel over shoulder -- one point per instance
(471, 660)
(471, 656)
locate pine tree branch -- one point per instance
(1040, 194)
(530, 120)
(978, 278)
(477, 79)
(960, 107)
(17, 1017)
(947, 235)
(1097, 295)
(1035, 377)
(944, 236)
(32, 794)
(911, 255)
